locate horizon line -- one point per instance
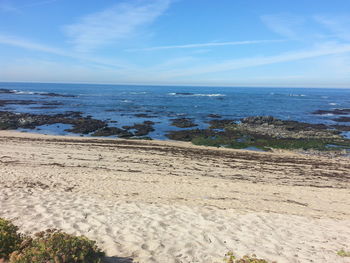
(188, 85)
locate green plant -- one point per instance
(230, 258)
(10, 239)
(343, 253)
(53, 246)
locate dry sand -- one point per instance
(153, 201)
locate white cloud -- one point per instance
(339, 25)
(284, 24)
(210, 44)
(260, 61)
(115, 23)
(23, 43)
(30, 45)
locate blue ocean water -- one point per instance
(120, 103)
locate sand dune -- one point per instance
(173, 202)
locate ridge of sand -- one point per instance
(153, 201)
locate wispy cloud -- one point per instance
(115, 23)
(27, 44)
(338, 25)
(260, 61)
(286, 25)
(309, 27)
(7, 6)
(210, 44)
(31, 45)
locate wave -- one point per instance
(138, 93)
(196, 94)
(210, 95)
(333, 103)
(25, 92)
(297, 95)
(41, 93)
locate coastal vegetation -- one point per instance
(231, 258)
(265, 133)
(343, 253)
(47, 246)
(10, 239)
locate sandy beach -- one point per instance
(162, 201)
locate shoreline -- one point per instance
(165, 201)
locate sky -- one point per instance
(277, 43)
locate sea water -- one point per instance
(118, 104)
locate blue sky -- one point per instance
(183, 42)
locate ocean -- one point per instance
(122, 104)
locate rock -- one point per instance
(109, 131)
(220, 124)
(214, 116)
(6, 91)
(187, 135)
(84, 125)
(259, 120)
(341, 127)
(144, 115)
(142, 129)
(334, 112)
(342, 119)
(183, 123)
(51, 94)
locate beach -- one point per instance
(164, 201)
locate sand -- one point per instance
(154, 201)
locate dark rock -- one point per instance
(51, 94)
(109, 131)
(29, 102)
(183, 123)
(220, 124)
(9, 120)
(141, 129)
(259, 120)
(52, 103)
(188, 135)
(341, 127)
(144, 115)
(6, 91)
(18, 102)
(214, 116)
(84, 125)
(342, 119)
(43, 107)
(334, 112)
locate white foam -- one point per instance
(209, 95)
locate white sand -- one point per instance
(172, 202)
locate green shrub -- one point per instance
(52, 246)
(343, 253)
(10, 239)
(230, 258)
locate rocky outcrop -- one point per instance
(334, 112)
(141, 129)
(183, 123)
(82, 125)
